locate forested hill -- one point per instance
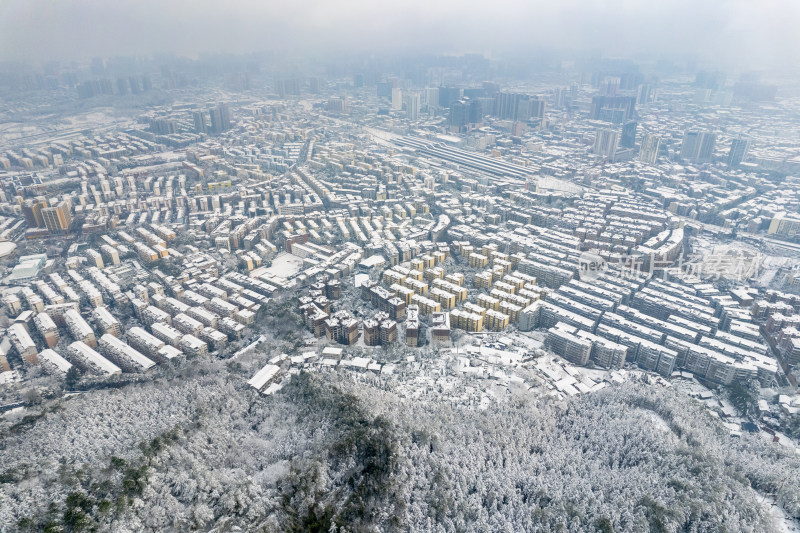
(202, 451)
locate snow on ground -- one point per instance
(285, 265)
(783, 521)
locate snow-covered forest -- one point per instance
(199, 450)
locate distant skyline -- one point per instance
(728, 33)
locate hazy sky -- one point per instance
(753, 32)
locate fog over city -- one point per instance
(413, 266)
(740, 33)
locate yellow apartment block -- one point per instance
(482, 280)
(505, 287)
(420, 287)
(515, 281)
(455, 278)
(498, 256)
(434, 273)
(475, 309)
(415, 274)
(527, 278)
(497, 273)
(500, 295)
(465, 320)
(401, 269)
(404, 293)
(496, 321)
(530, 295)
(510, 298)
(446, 299)
(488, 302)
(505, 265)
(459, 292)
(478, 260)
(426, 305)
(391, 277)
(516, 258)
(512, 310)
